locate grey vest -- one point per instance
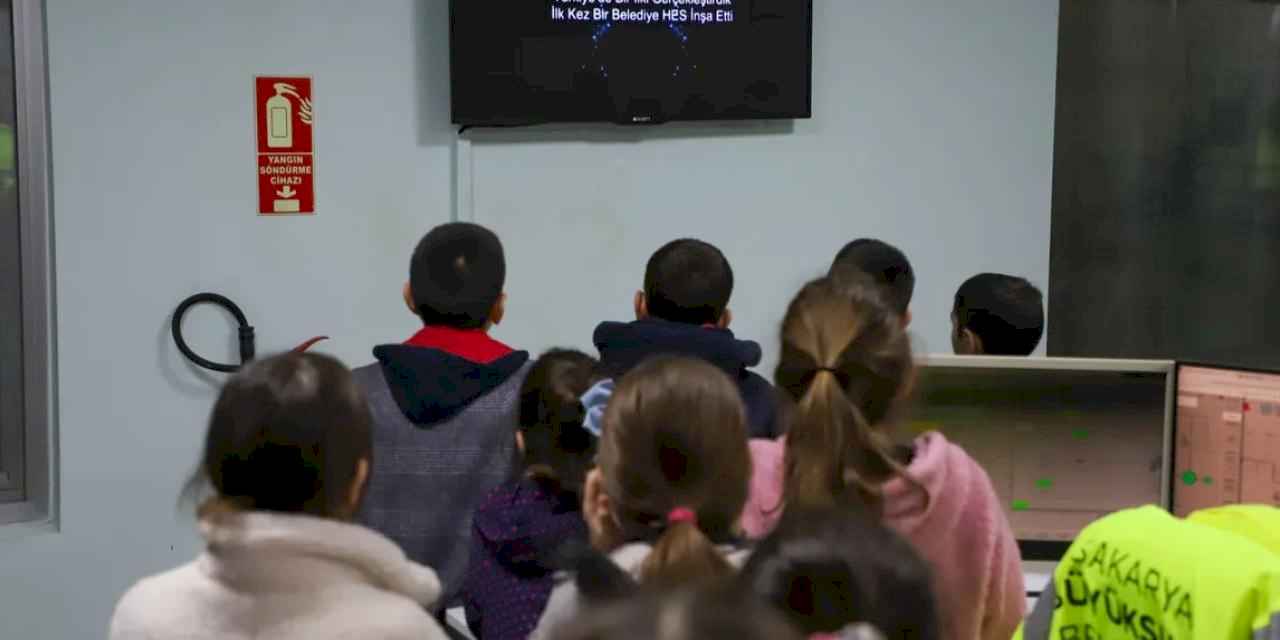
(427, 480)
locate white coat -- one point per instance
(285, 577)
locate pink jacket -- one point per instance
(961, 531)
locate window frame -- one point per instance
(39, 413)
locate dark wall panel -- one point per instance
(1166, 198)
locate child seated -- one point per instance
(997, 315)
(518, 530)
(671, 480)
(444, 402)
(684, 310)
(833, 569)
(287, 455)
(1142, 573)
(886, 265)
(846, 363)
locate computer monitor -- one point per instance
(1065, 441)
(1226, 438)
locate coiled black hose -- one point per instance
(246, 331)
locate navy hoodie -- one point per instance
(624, 345)
(515, 541)
(443, 438)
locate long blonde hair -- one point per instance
(675, 438)
(846, 362)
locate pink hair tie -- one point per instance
(857, 631)
(682, 514)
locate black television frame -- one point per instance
(618, 119)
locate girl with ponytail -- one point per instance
(670, 483)
(517, 532)
(846, 366)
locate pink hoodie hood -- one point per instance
(957, 524)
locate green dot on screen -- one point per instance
(1189, 478)
(1080, 434)
(1021, 505)
(1207, 479)
(1044, 483)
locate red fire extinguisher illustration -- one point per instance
(279, 124)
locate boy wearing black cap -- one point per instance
(443, 403)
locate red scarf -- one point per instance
(472, 344)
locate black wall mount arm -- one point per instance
(247, 341)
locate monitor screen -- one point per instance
(1227, 438)
(1062, 448)
(629, 61)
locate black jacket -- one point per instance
(624, 345)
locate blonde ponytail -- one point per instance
(683, 555)
(827, 431)
(846, 362)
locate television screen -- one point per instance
(518, 62)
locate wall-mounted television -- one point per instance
(523, 62)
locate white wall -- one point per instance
(932, 129)
(154, 180)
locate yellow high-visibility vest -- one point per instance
(1256, 522)
(1142, 574)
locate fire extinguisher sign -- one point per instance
(286, 150)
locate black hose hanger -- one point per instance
(247, 347)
